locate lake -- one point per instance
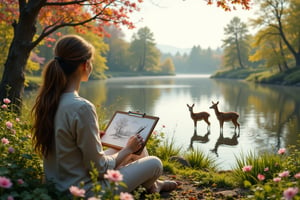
(269, 115)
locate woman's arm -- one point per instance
(134, 143)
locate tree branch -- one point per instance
(57, 25)
(65, 3)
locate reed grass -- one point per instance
(199, 160)
(167, 149)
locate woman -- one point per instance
(66, 129)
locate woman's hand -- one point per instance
(134, 143)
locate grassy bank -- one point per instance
(262, 75)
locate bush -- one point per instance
(271, 176)
(21, 171)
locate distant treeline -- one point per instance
(197, 61)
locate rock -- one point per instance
(180, 160)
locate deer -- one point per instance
(225, 117)
(198, 116)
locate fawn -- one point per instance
(198, 116)
(225, 116)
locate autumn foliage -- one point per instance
(90, 14)
(228, 5)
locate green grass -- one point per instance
(167, 149)
(261, 75)
(264, 163)
(199, 160)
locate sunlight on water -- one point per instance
(267, 113)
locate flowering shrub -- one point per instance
(21, 172)
(115, 179)
(272, 176)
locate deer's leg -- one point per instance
(221, 126)
(234, 123)
(208, 123)
(206, 120)
(195, 125)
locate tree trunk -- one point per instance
(238, 51)
(12, 83)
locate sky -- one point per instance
(185, 23)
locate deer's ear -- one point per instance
(193, 105)
(217, 102)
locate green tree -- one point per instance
(145, 56)
(268, 48)
(281, 17)
(194, 59)
(236, 47)
(167, 66)
(117, 55)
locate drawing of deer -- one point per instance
(225, 141)
(225, 117)
(198, 116)
(199, 138)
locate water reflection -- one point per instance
(269, 115)
(199, 139)
(275, 111)
(230, 141)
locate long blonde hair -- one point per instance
(70, 51)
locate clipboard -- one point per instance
(125, 124)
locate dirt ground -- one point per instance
(188, 190)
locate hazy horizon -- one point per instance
(184, 24)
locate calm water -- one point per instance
(269, 115)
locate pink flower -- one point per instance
(290, 193)
(277, 179)
(93, 198)
(11, 150)
(247, 168)
(297, 175)
(126, 196)
(6, 100)
(10, 198)
(5, 182)
(4, 106)
(266, 169)
(9, 125)
(17, 119)
(284, 174)
(261, 177)
(76, 191)
(4, 141)
(113, 175)
(281, 151)
(20, 181)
